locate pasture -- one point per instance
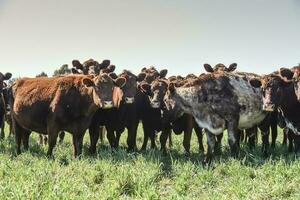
(146, 175)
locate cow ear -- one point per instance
(77, 64)
(141, 77)
(144, 69)
(7, 76)
(286, 73)
(146, 88)
(255, 83)
(208, 68)
(113, 75)
(74, 71)
(120, 82)
(232, 67)
(111, 68)
(171, 87)
(104, 64)
(88, 82)
(163, 73)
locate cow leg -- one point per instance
(146, 136)
(251, 135)
(2, 126)
(199, 135)
(61, 137)
(218, 146)
(274, 133)
(101, 134)
(291, 141)
(52, 138)
(94, 136)
(118, 136)
(131, 138)
(111, 137)
(170, 141)
(25, 139)
(18, 135)
(211, 142)
(233, 138)
(265, 142)
(78, 143)
(187, 140)
(163, 139)
(152, 138)
(296, 143)
(285, 136)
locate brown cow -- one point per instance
(66, 103)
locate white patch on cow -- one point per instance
(290, 124)
(250, 100)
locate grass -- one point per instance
(148, 175)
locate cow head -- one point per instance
(294, 76)
(220, 68)
(152, 74)
(102, 88)
(156, 92)
(272, 87)
(4, 77)
(130, 88)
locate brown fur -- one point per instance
(50, 105)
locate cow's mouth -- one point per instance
(269, 107)
(129, 100)
(155, 104)
(107, 104)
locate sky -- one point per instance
(181, 35)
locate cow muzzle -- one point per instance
(129, 100)
(269, 107)
(107, 104)
(155, 104)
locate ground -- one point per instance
(146, 175)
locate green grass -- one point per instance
(148, 175)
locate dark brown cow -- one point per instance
(66, 103)
(150, 116)
(3, 77)
(89, 67)
(279, 93)
(124, 116)
(220, 101)
(173, 117)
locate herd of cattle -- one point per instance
(94, 97)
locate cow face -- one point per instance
(130, 88)
(156, 92)
(102, 87)
(272, 87)
(294, 76)
(4, 77)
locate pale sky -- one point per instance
(41, 35)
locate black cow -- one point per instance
(278, 92)
(123, 116)
(3, 77)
